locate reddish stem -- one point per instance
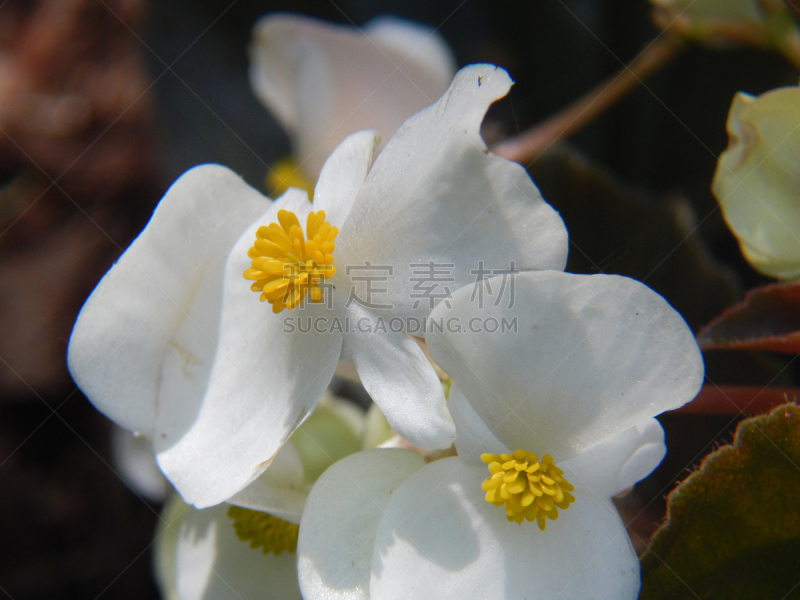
(526, 146)
(733, 399)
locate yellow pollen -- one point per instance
(285, 266)
(285, 174)
(264, 531)
(531, 489)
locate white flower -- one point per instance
(592, 360)
(758, 178)
(324, 81)
(206, 553)
(199, 557)
(335, 429)
(173, 343)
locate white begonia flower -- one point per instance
(758, 178)
(174, 344)
(335, 429)
(199, 557)
(245, 548)
(584, 365)
(324, 81)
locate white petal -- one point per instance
(133, 459)
(473, 436)
(325, 81)
(128, 323)
(221, 422)
(281, 490)
(592, 356)
(199, 557)
(333, 431)
(617, 463)
(439, 539)
(602, 471)
(401, 381)
(417, 43)
(343, 175)
(337, 534)
(436, 195)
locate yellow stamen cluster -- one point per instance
(529, 488)
(264, 531)
(287, 267)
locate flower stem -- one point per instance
(732, 399)
(790, 47)
(526, 146)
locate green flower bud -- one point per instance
(757, 181)
(330, 433)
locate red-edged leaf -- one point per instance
(768, 319)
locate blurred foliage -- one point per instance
(70, 527)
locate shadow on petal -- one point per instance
(187, 363)
(429, 525)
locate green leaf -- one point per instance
(733, 526)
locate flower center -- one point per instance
(529, 488)
(264, 531)
(286, 267)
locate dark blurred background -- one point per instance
(104, 103)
